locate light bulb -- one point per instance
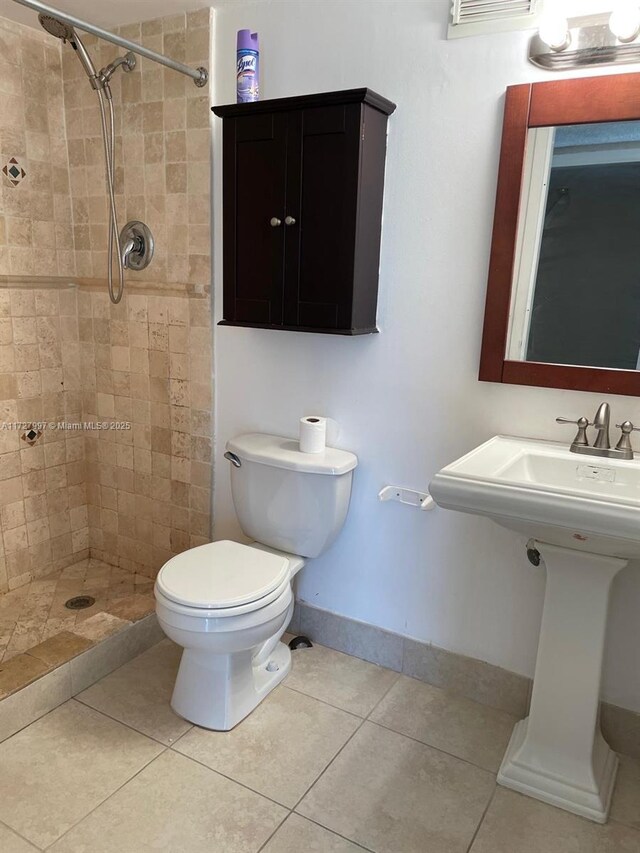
(624, 22)
(554, 31)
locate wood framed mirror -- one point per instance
(563, 296)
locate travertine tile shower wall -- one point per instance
(43, 498)
(134, 496)
(43, 508)
(147, 360)
(162, 152)
(36, 237)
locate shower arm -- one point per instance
(199, 75)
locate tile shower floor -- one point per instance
(37, 631)
(344, 756)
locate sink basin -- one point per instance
(541, 489)
(582, 516)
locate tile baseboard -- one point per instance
(352, 637)
(621, 729)
(469, 677)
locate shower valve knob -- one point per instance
(137, 245)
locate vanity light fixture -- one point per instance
(624, 22)
(564, 45)
(554, 31)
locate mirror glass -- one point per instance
(576, 290)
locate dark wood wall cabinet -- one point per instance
(302, 211)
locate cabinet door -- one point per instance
(322, 193)
(255, 154)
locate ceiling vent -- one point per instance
(477, 17)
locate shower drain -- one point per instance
(79, 602)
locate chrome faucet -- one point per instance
(602, 445)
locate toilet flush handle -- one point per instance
(235, 460)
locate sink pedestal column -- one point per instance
(557, 754)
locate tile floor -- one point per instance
(344, 756)
(38, 633)
(36, 611)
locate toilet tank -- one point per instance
(293, 501)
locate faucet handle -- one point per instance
(579, 422)
(581, 436)
(625, 439)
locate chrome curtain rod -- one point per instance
(199, 76)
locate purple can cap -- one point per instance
(247, 40)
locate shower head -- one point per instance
(65, 32)
(55, 27)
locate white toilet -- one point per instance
(229, 604)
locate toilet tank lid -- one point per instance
(282, 452)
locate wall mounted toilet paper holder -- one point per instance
(411, 497)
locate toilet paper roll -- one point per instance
(313, 434)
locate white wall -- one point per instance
(408, 399)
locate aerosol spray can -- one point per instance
(248, 67)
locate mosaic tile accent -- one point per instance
(14, 172)
(31, 435)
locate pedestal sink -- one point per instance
(583, 515)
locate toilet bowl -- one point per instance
(228, 604)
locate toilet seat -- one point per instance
(222, 579)
(208, 614)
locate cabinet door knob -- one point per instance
(289, 220)
(275, 222)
